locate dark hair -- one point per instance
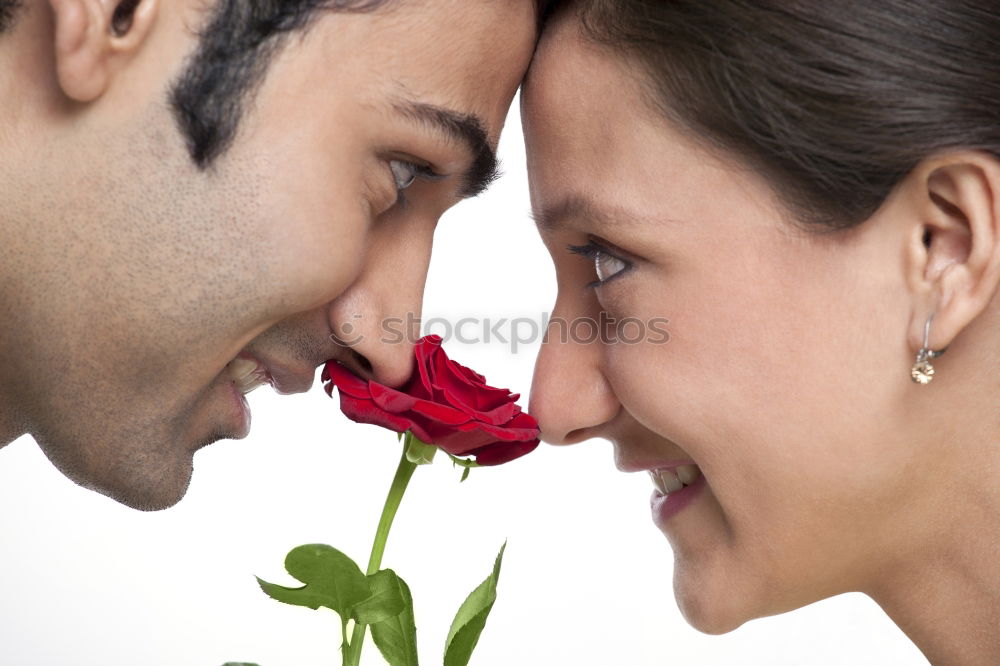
(833, 102)
(237, 44)
(7, 10)
(235, 48)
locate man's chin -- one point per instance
(146, 492)
(157, 500)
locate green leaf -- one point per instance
(386, 600)
(465, 474)
(471, 618)
(332, 580)
(396, 637)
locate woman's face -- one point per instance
(785, 378)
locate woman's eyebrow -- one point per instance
(561, 213)
(465, 128)
(555, 216)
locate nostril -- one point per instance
(362, 362)
(564, 437)
(560, 437)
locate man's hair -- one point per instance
(238, 42)
(236, 46)
(8, 8)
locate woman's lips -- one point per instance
(672, 479)
(676, 487)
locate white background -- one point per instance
(586, 577)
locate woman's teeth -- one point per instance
(675, 478)
(246, 374)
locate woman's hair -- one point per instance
(834, 102)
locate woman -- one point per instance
(810, 193)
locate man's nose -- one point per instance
(378, 318)
(379, 337)
(570, 396)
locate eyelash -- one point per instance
(593, 250)
(421, 171)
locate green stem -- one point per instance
(352, 657)
(343, 638)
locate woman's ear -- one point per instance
(954, 254)
(93, 38)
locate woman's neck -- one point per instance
(951, 610)
(945, 594)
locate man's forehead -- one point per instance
(467, 50)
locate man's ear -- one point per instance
(954, 252)
(93, 38)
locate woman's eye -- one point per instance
(606, 264)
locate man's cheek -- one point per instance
(318, 273)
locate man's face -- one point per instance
(142, 277)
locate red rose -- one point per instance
(444, 404)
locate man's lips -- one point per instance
(250, 370)
(247, 373)
(285, 380)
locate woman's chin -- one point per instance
(709, 604)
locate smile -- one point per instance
(247, 373)
(672, 479)
(676, 488)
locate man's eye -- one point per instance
(404, 173)
(606, 265)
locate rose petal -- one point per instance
(443, 403)
(390, 399)
(440, 413)
(503, 453)
(347, 381)
(523, 420)
(448, 377)
(504, 433)
(497, 416)
(471, 374)
(459, 441)
(365, 411)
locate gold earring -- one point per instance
(922, 371)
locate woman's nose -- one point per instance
(570, 396)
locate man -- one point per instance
(200, 197)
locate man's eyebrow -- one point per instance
(465, 128)
(560, 214)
